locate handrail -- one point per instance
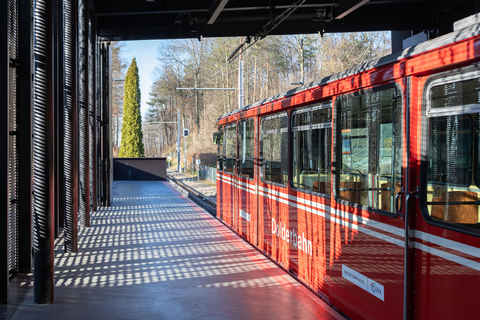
(398, 203)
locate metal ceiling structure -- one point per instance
(168, 19)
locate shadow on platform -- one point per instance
(155, 255)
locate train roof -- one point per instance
(420, 48)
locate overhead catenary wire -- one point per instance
(266, 29)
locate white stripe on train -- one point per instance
(355, 222)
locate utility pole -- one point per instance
(197, 111)
(178, 141)
(302, 53)
(240, 84)
(159, 139)
(185, 142)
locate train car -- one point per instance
(365, 185)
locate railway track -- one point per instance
(193, 195)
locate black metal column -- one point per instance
(106, 128)
(60, 131)
(69, 126)
(43, 151)
(98, 120)
(4, 137)
(24, 134)
(103, 60)
(84, 196)
(57, 111)
(92, 112)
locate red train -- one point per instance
(366, 184)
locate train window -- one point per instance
(274, 148)
(220, 150)
(452, 193)
(458, 96)
(312, 141)
(245, 148)
(370, 143)
(230, 148)
(448, 134)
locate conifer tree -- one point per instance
(132, 136)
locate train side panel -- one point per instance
(366, 265)
(367, 234)
(247, 204)
(226, 190)
(406, 129)
(447, 212)
(274, 211)
(309, 251)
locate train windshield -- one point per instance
(452, 193)
(370, 144)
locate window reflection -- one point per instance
(274, 148)
(312, 138)
(371, 142)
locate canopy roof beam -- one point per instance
(215, 10)
(346, 7)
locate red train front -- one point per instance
(366, 185)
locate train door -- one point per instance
(446, 215)
(367, 245)
(229, 202)
(219, 141)
(273, 194)
(246, 197)
(311, 157)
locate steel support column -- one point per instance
(99, 160)
(69, 117)
(92, 102)
(24, 134)
(60, 131)
(57, 128)
(4, 137)
(84, 196)
(98, 120)
(75, 112)
(43, 151)
(106, 130)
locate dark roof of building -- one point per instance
(168, 19)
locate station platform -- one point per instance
(156, 255)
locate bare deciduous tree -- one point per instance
(270, 66)
(119, 68)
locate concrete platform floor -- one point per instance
(155, 255)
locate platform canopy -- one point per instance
(167, 19)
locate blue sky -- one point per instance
(145, 52)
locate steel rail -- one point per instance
(195, 196)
